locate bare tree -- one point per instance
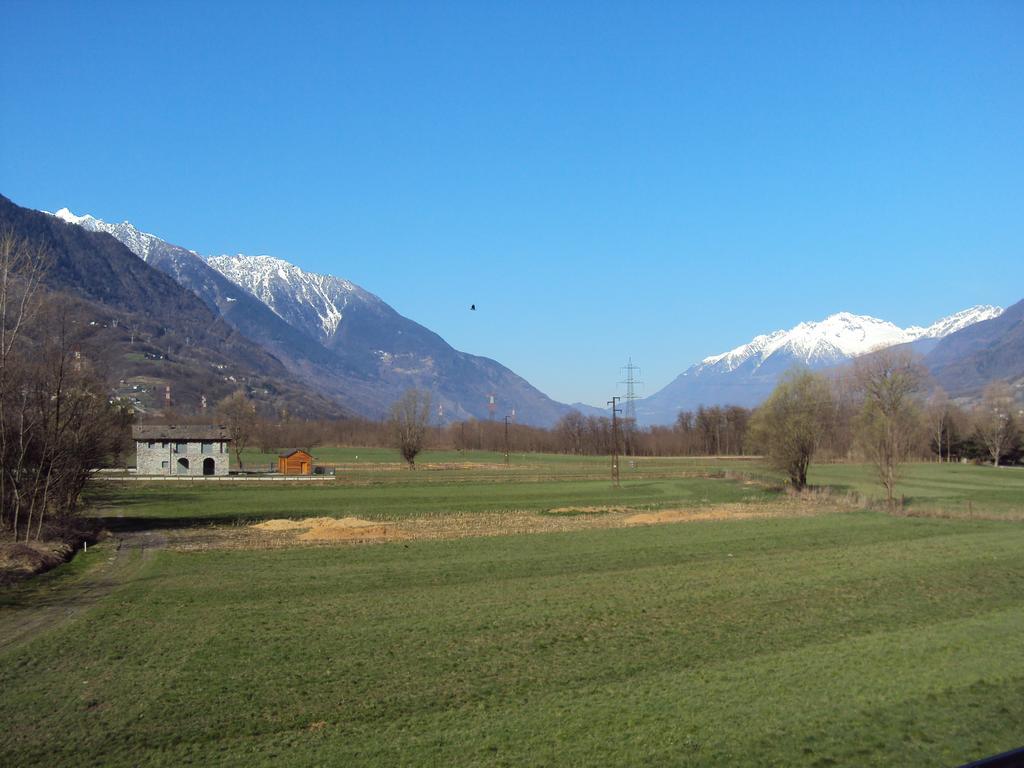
(75, 427)
(790, 425)
(888, 424)
(570, 429)
(239, 414)
(410, 419)
(995, 424)
(22, 268)
(56, 424)
(937, 414)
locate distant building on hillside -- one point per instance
(296, 462)
(181, 449)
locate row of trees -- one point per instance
(879, 413)
(706, 431)
(991, 430)
(876, 412)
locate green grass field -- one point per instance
(839, 639)
(937, 487)
(850, 640)
(474, 482)
(404, 498)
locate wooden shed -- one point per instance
(296, 462)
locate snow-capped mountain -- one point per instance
(965, 362)
(390, 351)
(142, 244)
(304, 299)
(151, 330)
(747, 374)
(241, 309)
(840, 337)
(960, 320)
(344, 341)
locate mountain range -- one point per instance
(747, 374)
(343, 341)
(320, 344)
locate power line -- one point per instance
(631, 382)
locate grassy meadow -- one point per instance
(851, 638)
(175, 503)
(445, 483)
(938, 488)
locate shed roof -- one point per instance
(292, 452)
(180, 432)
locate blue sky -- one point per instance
(655, 180)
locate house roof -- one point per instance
(292, 452)
(180, 432)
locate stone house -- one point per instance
(181, 449)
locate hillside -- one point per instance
(147, 330)
(964, 362)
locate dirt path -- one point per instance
(46, 606)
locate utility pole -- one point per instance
(507, 461)
(615, 440)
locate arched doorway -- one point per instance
(209, 466)
(182, 466)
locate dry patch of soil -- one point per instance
(332, 529)
(326, 531)
(725, 512)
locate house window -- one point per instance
(163, 444)
(207, 446)
(181, 447)
(165, 465)
(150, 444)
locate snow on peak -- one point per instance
(304, 299)
(64, 214)
(142, 244)
(960, 320)
(840, 336)
(762, 345)
(301, 298)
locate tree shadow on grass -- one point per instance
(112, 508)
(130, 524)
(117, 497)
